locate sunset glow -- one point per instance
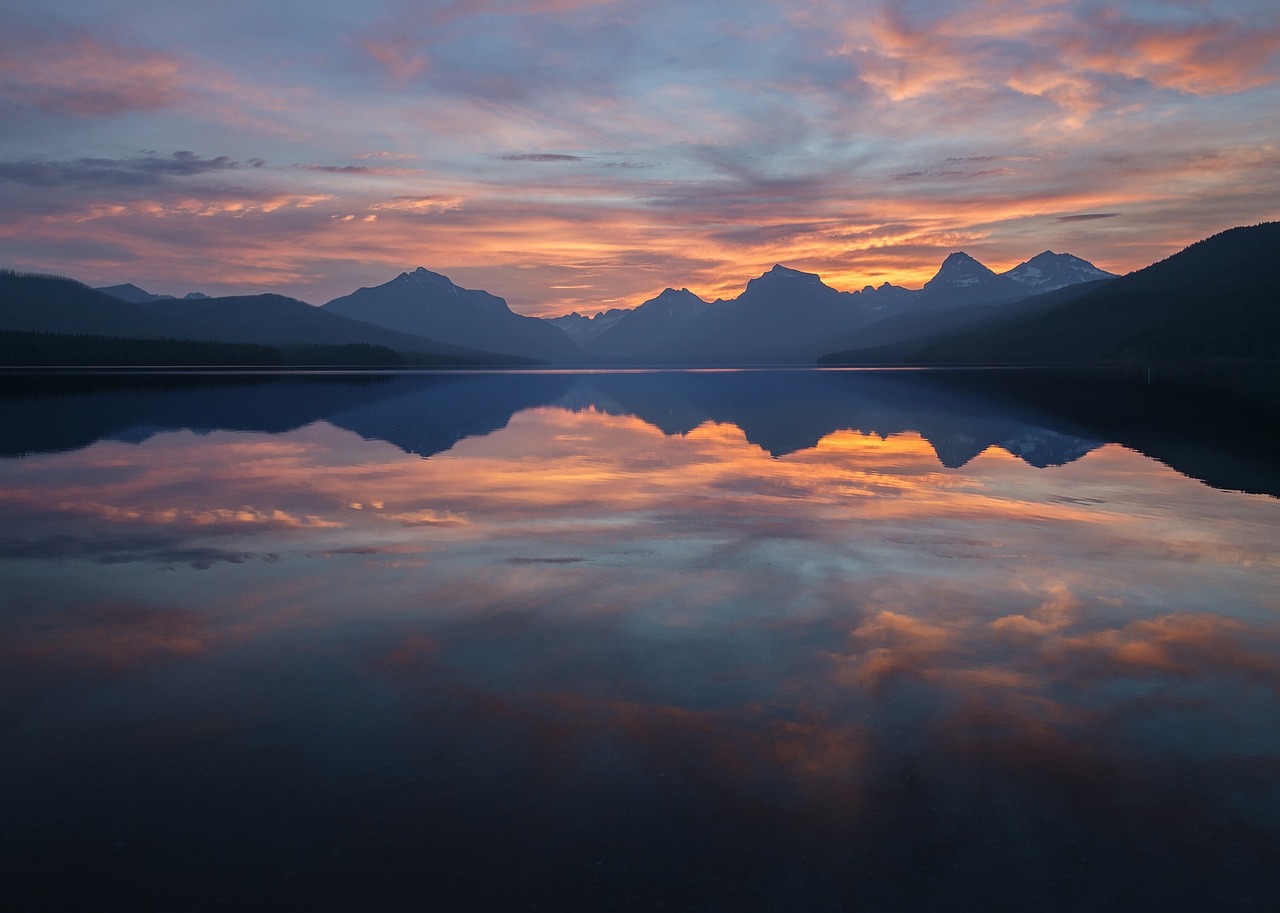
(583, 155)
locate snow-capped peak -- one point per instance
(1047, 272)
(959, 270)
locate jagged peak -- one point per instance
(961, 265)
(422, 274)
(786, 274)
(780, 270)
(668, 293)
(959, 257)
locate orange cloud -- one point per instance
(1211, 57)
(1184, 644)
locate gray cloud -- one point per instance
(1087, 217)
(144, 169)
(121, 549)
(541, 157)
(338, 169)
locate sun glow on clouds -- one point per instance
(576, 155)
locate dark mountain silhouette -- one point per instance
(582, 330)
(964, 294)
(887, 297)
(788, 316)
(130, 292)
(895, 339)
(276, 320)
(54, 305)
(76, 350)
(652, 329)
(962, 280)
(784, 316)
(429, 304)
(1217, 299)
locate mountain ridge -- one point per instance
(1209, 301)
(60, 306)
(1052, 308)
(426, 303)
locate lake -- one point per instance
(652, 640)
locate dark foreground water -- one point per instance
(811, 641)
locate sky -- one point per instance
(586, 154)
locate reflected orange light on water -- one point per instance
(938, 573)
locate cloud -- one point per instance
(1077, 58)
(574, 559)
(401, 57)
(122, 549)
(107, 637)
(542, 157)
(860, 140)
(141, 170)
(85, 77)
(418, 205)
(425, 517)
(383, 154)
(1087, 217)
(1180, 645)
(1214, 55)
(360, 170)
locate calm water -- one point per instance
(669, 641)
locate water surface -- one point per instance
(629, 641)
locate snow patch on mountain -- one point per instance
(1048, 272)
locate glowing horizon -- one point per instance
(585, 154)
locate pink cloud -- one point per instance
(403, 59)
(1053, 51)
(1210, 58)
(87, 77)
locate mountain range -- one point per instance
(1216, 299)
(427, 304)
(52, 306)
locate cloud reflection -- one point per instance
(659, 651)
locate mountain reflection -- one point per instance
(699, 641)
(778, 410)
